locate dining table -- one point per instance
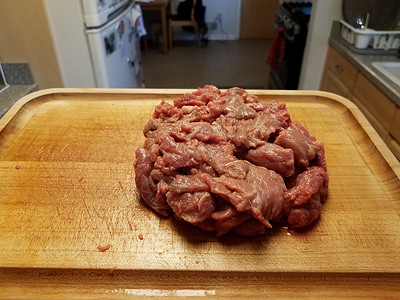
(162, 7)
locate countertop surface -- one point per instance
(12, 94)
(363, 63)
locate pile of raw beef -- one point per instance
(225, 161)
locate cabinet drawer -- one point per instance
(341, 68)
(374, 101)
(395, 127)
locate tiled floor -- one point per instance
(239, 63)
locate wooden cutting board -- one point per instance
(67, 187)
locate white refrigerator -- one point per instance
(97, 42)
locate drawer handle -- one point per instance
(339, 69)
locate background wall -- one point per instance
(323, 13)
(25, 37)
(230, 10)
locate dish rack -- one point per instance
(364, 38)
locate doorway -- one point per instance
(257, 17)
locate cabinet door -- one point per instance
(370, 117)
(394, 146)
(373, 101)
(330, 83)
(341, 68)
(257, 19)
(395, 126)
(394, 135)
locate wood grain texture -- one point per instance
(67, 187)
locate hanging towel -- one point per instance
(277, 48)
(137, 19)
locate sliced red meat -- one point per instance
(228, 162)
(143, 168)
(303, 201)
(199, 98)
(251, 227)
(273, 157)
(256, 132)
(188, 183)
(297, 138)
(304, 215)
(312, 181)
(192, 207)
(231, 104)
(229, 218)
(250, 188)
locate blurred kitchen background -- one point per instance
(347, 47)
(49, 35)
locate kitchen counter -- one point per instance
(21, 83)
(12, 94)
(363, 63)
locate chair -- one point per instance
(178, 21)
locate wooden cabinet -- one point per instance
(370, 117)
(378, 109)
(332, 84)
(338, 71)
(341, 78)
(394, 134)
(395, 126)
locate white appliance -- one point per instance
(96, 42)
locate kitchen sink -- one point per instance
(389, 69)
